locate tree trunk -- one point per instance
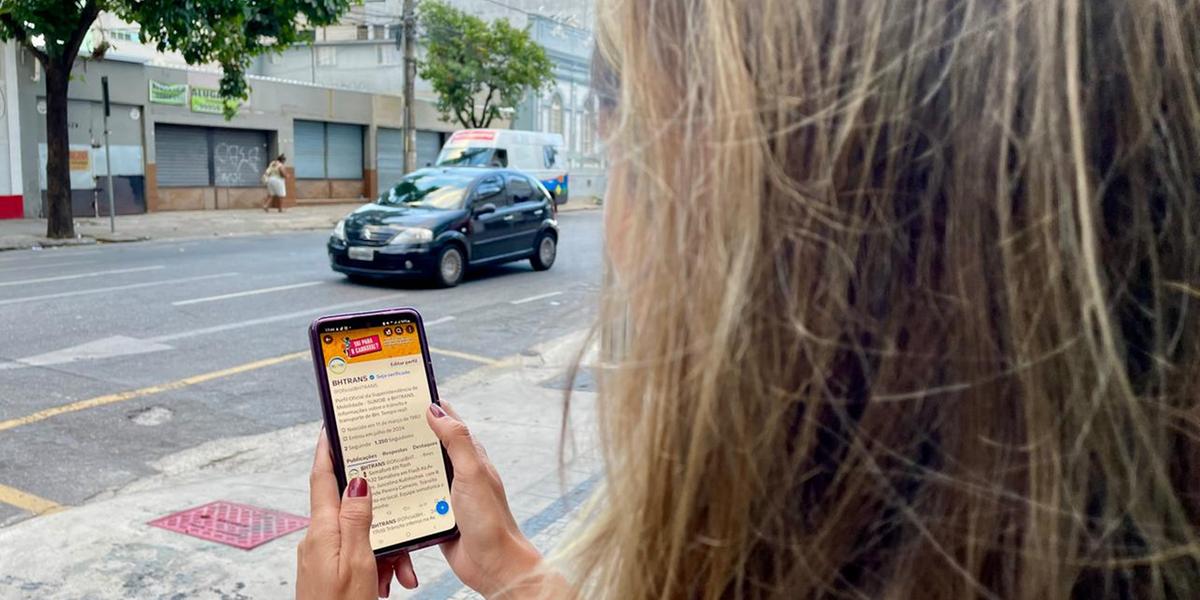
(59, 221)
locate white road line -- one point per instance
(439, 321)
(272, 319)
(81, 275)
(535, 298)
(109, 347)
(63, 264)
(115, 288)
(278, 288)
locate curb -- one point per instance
(39, 243)
(120, 238)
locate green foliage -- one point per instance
(467, 59)
(228, 32)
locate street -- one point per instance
(119, 355)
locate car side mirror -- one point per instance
(484, 209)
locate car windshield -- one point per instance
(428, 190)
(464, 156)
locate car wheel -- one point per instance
(544, 252)
(450, 266)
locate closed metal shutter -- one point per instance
(390, 156)
(344, 155)
(239, 157)
(429, 144)
(310, 149)
(181, 156)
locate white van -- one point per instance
(533, 152)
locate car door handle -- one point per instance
(537, 213)
(509, 217)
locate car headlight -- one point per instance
(412, 235)
(339, 230)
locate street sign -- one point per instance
(104, 92)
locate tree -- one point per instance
(228, 32)
(467, 59)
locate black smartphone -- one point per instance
(376, 383)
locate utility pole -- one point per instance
(410, 77)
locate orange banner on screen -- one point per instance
(372, 343)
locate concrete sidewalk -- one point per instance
(105, 549)
(17, 234)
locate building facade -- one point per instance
(333, 107)
(172, 149)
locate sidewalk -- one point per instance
(17, 234)
(105, 549)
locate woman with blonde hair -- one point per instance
(904, 304)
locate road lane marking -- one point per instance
(278, 288)
(69, 263)
(471, 357)
(28, 502)
(106, 399)
(114, 288)
(439, 321)
(272, 319)
(535, 298)
(109, 347)
(82, 275)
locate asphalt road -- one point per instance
(89, 323)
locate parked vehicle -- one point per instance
(533, 152)
(440, 221)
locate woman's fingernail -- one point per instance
(357, 487)
(437, 411)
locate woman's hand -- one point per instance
(334, 560)
(491, 555)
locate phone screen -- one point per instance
(380, 390)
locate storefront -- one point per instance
(329, 160)
(85, 122)
(174, 149)
(210, 167)
(390, 152)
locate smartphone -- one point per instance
(376, 383)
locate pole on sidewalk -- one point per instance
(112, 219)
(410, 76)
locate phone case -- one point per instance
(335, 443)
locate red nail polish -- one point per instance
(357, 487)
(437, 411)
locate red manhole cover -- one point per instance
(238, 525)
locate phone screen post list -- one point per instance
(379, 391)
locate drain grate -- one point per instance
(238, 525)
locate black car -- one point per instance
(439, 221)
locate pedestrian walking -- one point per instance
(904, 303)
(276, 183)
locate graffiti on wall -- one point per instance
(238, 165)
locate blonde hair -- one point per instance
(909, 296)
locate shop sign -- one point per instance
(80, 160)
(207, 100)
(174, 94)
